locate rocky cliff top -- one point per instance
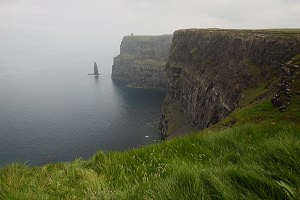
(244, 32)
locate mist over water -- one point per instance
(51, 110)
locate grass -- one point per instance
(252, 95)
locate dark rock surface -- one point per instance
(95, 69)
(207, 70)
(142, 60)
(96, 73)
(288, 85)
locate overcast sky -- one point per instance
(96, 27)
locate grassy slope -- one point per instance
(252, 154)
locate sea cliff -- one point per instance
(208, 70)
(142, 60)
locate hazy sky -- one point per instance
(95, 27)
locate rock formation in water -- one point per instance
(95, 69)
(207, 71)
(142, 60)
(96, 73)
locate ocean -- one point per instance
(54, 111)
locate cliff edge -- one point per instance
(208, 70)
(142, 60)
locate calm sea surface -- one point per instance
(55, 112)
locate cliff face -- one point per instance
(142, 60)
(208, 70)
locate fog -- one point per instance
(92, 30)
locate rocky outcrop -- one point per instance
(96, 69)
(142, 60)
(289, 85)
(207, 71)
(96, 73)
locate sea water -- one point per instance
(54, 111)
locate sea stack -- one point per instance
(95, 69)
(96, 73)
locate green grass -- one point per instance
(254, 112)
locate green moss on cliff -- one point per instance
(253, 68)
(179, 122)
(296, 60)
(194, 50)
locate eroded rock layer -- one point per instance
(207, 70)
(142, 60)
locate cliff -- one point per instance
(208, 71)
(142, 60)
